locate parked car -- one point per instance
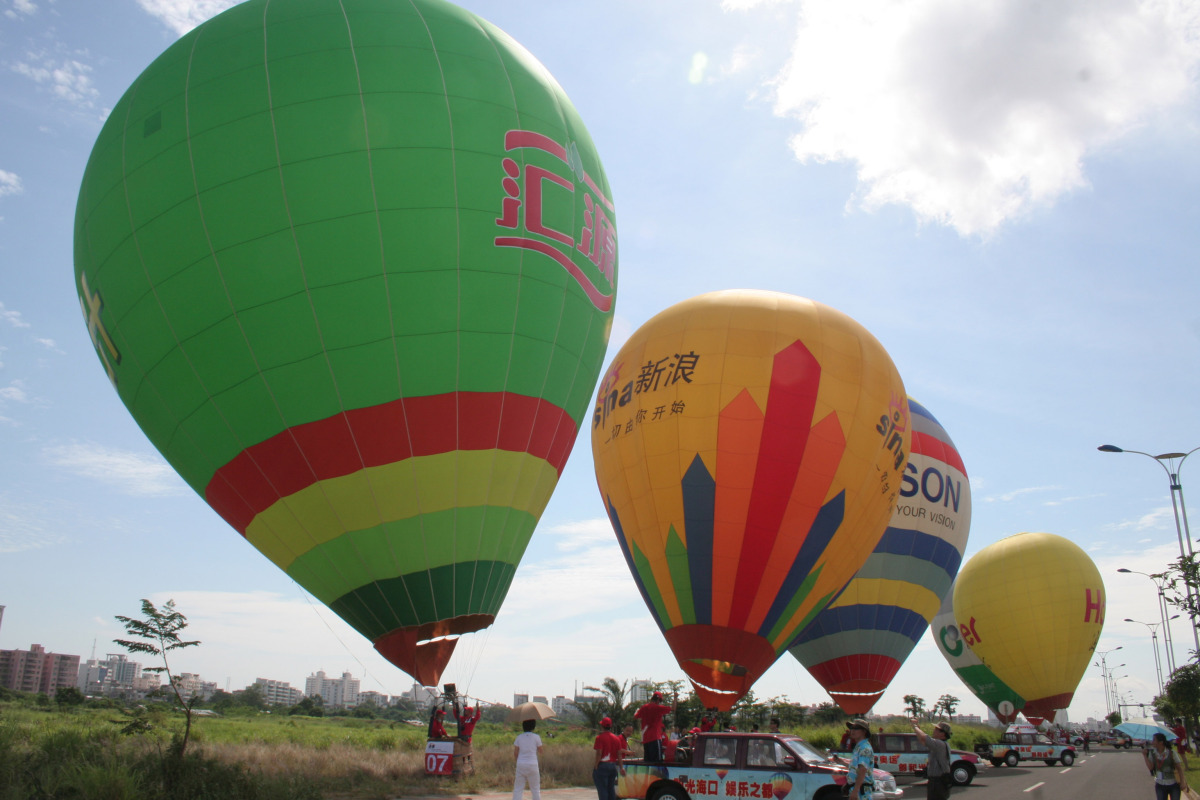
(1022, 742)
(744, 765)
(903, 754)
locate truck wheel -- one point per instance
(962, 773)
(1068, 758)
(1050, 762)
(1011, 758)
(996, 761)
(671, 791)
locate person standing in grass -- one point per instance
(526, 749)
(609, 755)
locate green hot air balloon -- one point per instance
(351, 266)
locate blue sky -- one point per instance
(1004, 193)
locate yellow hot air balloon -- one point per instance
(1031, 607)
(749, 446)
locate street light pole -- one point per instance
(1172, 463)
(1154, 641)
(1103, 665)
(1168, 638)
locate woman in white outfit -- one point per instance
(526, 750)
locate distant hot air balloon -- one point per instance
(1031, 608)
(983, 683)
(854, 647)
(351, 267)
(748, 446)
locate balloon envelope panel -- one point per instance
(748, 448)
(1031, 607)
(351, 266)
(983, 683)
(854, 647)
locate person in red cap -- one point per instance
(650, 718)
(466, 720)
(436, 729)
(608, 761)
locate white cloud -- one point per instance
(1015, 493)
(15, 391)
(10, 183)
(130, 473)
(974, 113)
(183, 15)
(1159, 518)
(50, 344)
(23, 527)
(699, 65)
(68, 78)
(26, 7)
(12, 317)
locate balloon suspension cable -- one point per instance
(366, 672)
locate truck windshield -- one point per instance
(807, 753)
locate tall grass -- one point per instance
(54, 754)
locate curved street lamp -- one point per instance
(1153, 626)
(1171, 464)
(1103, 665)
(1165, 621)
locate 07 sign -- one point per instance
(439, 758)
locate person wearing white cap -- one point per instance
(862, 761)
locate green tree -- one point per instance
(313, 706)
(250, 697)
(914, 706)
(828, 714)
(611, 703)
(68, 696)
(1114, 718)
(946, 703)
(1183, 693)
(157, 634)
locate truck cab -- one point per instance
(1023, 742)
(715, 766)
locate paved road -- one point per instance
(1099, 775)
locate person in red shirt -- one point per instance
(466, 720)
(708, 721)
(608, 761)
(436, 729)
(650, 718)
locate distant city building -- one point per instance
(423, 696)
(376, 698)
(968, 719)
(520, 698)
(560, 704)
(335, 692)
(277, 693)
(116, 676)
(639, 691)
(35, 670)
(190, 685)
(537, 698)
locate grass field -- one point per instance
(75, 753)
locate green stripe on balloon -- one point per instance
(417, 597)
(358, 558)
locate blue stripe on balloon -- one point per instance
(699, 504)
(935, 550)
(633, 570)
(826, 524)
(865, 617)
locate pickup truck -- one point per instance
(903, 754)
(744, 765)
(1026, 743)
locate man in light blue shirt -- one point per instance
(862, 761)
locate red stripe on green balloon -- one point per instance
(384, 434)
